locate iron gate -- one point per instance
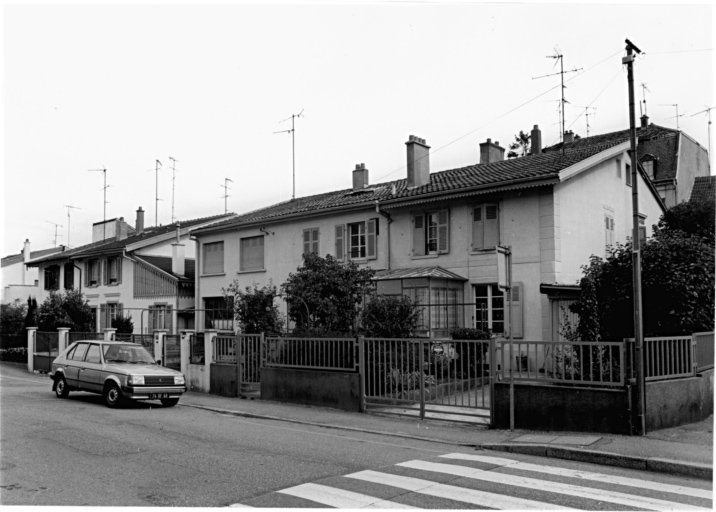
(171, 356)
(444, 380)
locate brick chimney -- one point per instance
(26, 255)
(644, 121)
(490, 152)
(178, 258)
(536, 141)
(360, 177)
(418, 162)
(568, 136)
(139, 225)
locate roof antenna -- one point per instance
(104, 215)
(174, 161)
(644, 88)
(708, 113)
(156, 194)
(558, 56)
(293, 145)
(587, 114)
(677, 116)
(226, 192)
(56, 226)
(69, 206)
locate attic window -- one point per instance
(649, 165)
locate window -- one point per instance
(444, 309)
(642, 230)
(52, 277)
(113, 271)
(160, 317)
(252, 253)
(92, 273)
(93, 354)
(213, 258)
(490, 309)
(608, 233)
(109, 312)
(218, 314)
(649, 168)
(431, 233)
(78, 354)
(485, 227)
(310, 240)
(628, 174)
(619, 168)
(359, 238)
(69, 276)
(356, 240)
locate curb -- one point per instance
(655, 464)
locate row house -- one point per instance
(142, 272)
(20, 282)
(433, 235)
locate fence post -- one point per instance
(421, 363)
(185, 351)
(492, 359)
(109, 333)
(31, 337)
(63, 333)
(238, 352)
(694, 364)
(361, 371)
(262, 353)
(159, 345)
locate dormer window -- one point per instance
(649, 165)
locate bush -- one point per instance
(469, 333)
(123, 324)
(255, 309)
(387, 316)
(65, 310)
(12, 317)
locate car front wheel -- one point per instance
(112, 396)
(61, 389)
(169, 402)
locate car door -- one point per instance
(91, 370)
(74, 362)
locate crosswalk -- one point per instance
(468, 481)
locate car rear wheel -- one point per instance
(112, 396)
(169, 402)
(61, 389)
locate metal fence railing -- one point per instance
(251, 348)
(171, 358)
(665, 357)
(13, 347)
(46, 349)
(704, 350)
(196, 348)
(583, 363)
(224, 349)
(312, 353)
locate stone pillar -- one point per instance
(209, 336)
(31, 337)
(63, 337)
(109, 333)
(185, 336)
(159, 345)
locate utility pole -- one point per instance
(69, 206)
(635, 246)
(708, 113)
(292, 131)
(226, 192)
(104, 215)
(156, 194)
(174, 161)
(56, 226)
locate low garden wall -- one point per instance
(339, 390)
(670, 403)
(223, 379)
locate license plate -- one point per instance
(153, 396)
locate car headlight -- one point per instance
(136, 380)
(178, 379)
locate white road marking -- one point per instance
(556, 487)
(451, 492)
(339, 498)
(586, 475)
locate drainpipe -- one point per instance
(197, 280)
(390, 221)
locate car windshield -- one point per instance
(127, 354)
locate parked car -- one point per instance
(116, 370)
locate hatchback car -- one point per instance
(116, 370)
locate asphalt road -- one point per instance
(77, 452)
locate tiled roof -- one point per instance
(165, 263)
(704, 188)
(661, 142)
(497, 174)
(17, 258)
(407, 273)
(113, 245)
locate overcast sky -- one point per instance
(118, 87)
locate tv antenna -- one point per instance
(707, 110)
(56, 226)
(558, 56)
(156, 194)
(69, 207)
(226, 192)
(644, 89)
(174, 161)
(587, 114)
(104, 215)
(292, 131)
(677, 116)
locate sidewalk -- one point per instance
(686, 450)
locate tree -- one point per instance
(65, 310)
(123, 324)
(692, 218)
(386, 316)
(12, 317)
(31, 317)
(521, 146)
(324, 294)
(255, 309)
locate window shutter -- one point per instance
(120, 310)
(491, 225)
(306, 241)
(150, 319)
(104, 272)
(87, 273)
(418, 235)
(169, 320)
(517, 300)
(340, 242)
(119, 269)
(371, 240)
(478, 241)
(443, 231)
(314, 246)
(102, 317)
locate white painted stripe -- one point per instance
(339, 498)
(556, 487)
(587, 475)
(451, 492)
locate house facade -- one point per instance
(18, 280)
(433, 236)
(142, 272)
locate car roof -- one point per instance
(108, 342)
